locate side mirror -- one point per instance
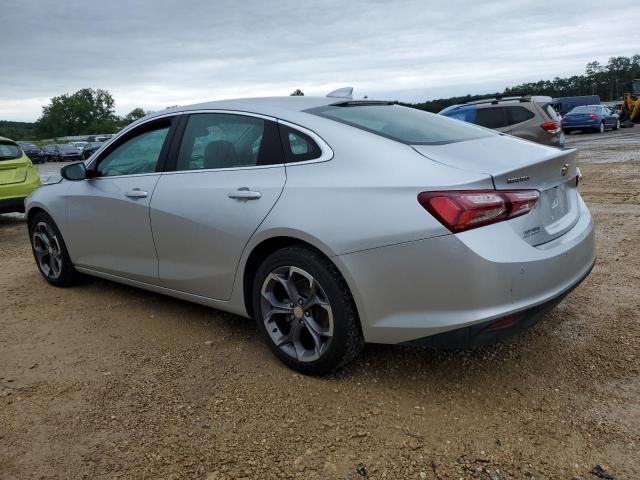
(74, 172)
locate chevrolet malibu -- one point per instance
(331, 222)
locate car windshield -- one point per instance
(67, 148)
(9, 151)
(403, 124)
(584, 109)
(27, 145)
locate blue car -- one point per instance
(590, 117)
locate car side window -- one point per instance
(220, 140)
(467, 114)
(298, 146)
(494, 117)
(518, 115)
(139, 154)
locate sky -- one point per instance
(157, 53)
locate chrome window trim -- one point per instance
(230, 169)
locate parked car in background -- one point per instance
(91, 148)
(330, 221)
(18, 176)
(61, 153)
(51, 152)
(564, 105)
(529, 117)
(596, 118)
(34, 152)
(79, 145)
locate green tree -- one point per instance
(297, 93)
(78, 113)
(134, 115)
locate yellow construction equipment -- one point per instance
(630, 108)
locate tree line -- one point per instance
(90, 111)
(84, 112)
(610, 82)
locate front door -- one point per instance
(108, 216)
(228, 174)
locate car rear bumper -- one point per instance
(413, 290)
(494, 331)
(577, 125)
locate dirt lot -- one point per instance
(105, 381)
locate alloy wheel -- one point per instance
(296, 313)
(47, 249)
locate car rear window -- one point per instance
(403, 124)
(9, 151)
(583, 109)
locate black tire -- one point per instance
(347, 340)
(617, 126)
(67, 275)
(601, 128)
(567, 131)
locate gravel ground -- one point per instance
(106, 381)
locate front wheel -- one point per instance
(305, 312)
(50, 252)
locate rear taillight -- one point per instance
(464, 210)
(591, 116)
(551, 127)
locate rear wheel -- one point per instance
(617, 127)
(305, 312)
(50, 252)
(601, 127)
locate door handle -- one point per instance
(136, 193)
(244, 194)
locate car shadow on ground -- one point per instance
(389, 364)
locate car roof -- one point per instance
(279, 107)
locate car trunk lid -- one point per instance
(515, 164)
(577, 117)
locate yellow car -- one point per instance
(18, 177)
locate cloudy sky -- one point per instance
(155, 53)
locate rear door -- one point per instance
(228, 172)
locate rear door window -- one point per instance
(494, 117)
(518, 115)
(220, 140)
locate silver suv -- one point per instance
(530, 117)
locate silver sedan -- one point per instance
(332, 222)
